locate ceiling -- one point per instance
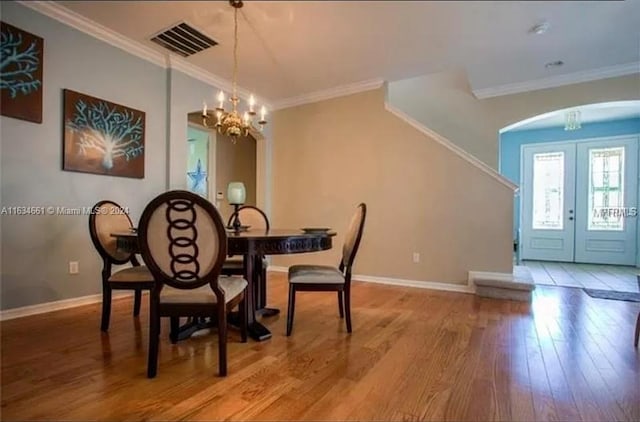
(591, 113)
(290, 48)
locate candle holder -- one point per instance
(236, 195)
(236, 224)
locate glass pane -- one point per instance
(548, 191)
(606, 189)
(197, 161)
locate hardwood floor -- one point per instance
(602, 277)
(414, 355)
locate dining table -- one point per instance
(252, 245)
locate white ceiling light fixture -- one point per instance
(540, 28)
(572, 120)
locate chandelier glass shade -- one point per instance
(572, 120)
(232, 123)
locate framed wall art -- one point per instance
(102, 137)
(21, 63)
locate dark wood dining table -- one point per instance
(252, 245)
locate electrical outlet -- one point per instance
(416, 257)
(74, 267)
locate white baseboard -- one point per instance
(433, 285)
(58, 305)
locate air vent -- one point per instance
(183, 39)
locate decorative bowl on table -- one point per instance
(315, 230)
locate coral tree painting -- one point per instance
(102, 137)
(21, 64)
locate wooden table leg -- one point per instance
(256, 330)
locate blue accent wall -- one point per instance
(510, 143)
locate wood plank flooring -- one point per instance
(602, 277)
(414, 355)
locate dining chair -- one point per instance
(255, 218)
(322, 278)
(108, 217)
(184, 243)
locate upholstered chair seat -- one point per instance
(133, 275)
(232, 287)
(315, 274)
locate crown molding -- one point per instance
(559, 80)
(178, 63)
(326, 94)
(480, 165)
(111, 37)
(96, 30)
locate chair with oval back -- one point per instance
(108, 217)
(255, 218)
(322, 278)
(183, 241)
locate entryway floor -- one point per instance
(590, 276)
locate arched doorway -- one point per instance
(577, 170)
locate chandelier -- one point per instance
(230, 123)
(572, 120)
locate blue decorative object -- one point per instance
(198, 179)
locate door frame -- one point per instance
(211, 165)
(577, 141)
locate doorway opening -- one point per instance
(577, 170)
(214, 161)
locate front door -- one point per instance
(548, 194)
(579, 201)
(606, 198)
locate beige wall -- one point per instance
(331, 155)
(444, 103)
(235, 163)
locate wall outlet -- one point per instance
(74, 267)
(416, 257)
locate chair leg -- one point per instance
(137, 298)
(347, 307)
(242, 308)
(635, 343)
(175, 328)
(340, 304)
(291, 308)
(222, 340)
(106, 307)
(154, 339)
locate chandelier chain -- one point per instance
(231, 123)
(235, 54)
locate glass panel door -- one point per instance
(547, 223)
(548, 190)
(606, 201)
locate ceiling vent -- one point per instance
(183, 39)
